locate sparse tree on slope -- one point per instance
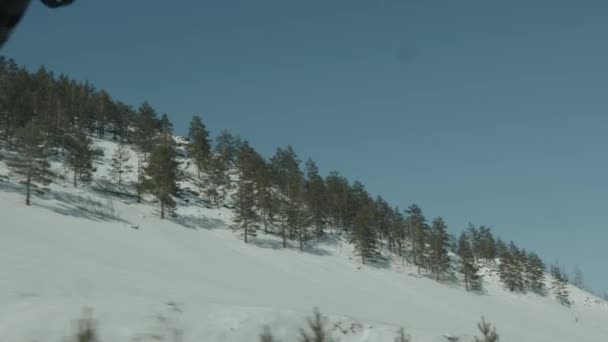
(268, 201)
(120, 163)
(82, 155)
(560, 285)
(511, 269)
(363, 234)
(31, 160)
(199, 148)
(227, 145)
(535, 273)
(162, 173)
(219, 179)
(315, 195)
(246, 216)
(146, 129)
(468, 268)
(337, 198)
(418, 231)
(439, 244)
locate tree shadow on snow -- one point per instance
(67, 203)
(290, 245)
(81, 206)
(198, 222)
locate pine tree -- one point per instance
(165, 126)
(488, 332)
(363, 234)
(162, 173)
(82, 155)
(140, 181)
(219, 179)
(512, 268)
(120, 163)
(227, 145)
(315, 195)
(418, 231)
(267, 198)
(337, 199)
(560, 285)
(146, 129)
(31, 160)
(290, 179)
(246, 217)
(468, 268)
(535, 273)
(199, 148)
(501, 247)
(439, 244)
(486, 248)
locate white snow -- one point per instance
(77, 248)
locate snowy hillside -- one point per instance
(146, 278)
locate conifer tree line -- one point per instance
(47, 116)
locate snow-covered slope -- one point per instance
(77, 248)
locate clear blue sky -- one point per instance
(494, 112)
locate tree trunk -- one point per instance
(27, 189)
(75, 178)
(283, 234)
(162, 209)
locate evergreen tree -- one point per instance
(165, 126)
(315, 196)
(268, 201)
(511, 270)
(488, 332)
(363, 234)
(199, 148)
(486, 246)
(219, 179)
(120, 163)
(337, 198)
(162, 173)
(439, 244)
(82, 155)
(140, 181)
(418, 231)
(501, 247)
(286, 168)
(31, 159)
(146, 129)
(560, 285)
(467, 266)
(535, 273)
(246, 217)
(398, 231)
(384, 221)
(227, 145)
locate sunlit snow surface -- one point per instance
(192, 276)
